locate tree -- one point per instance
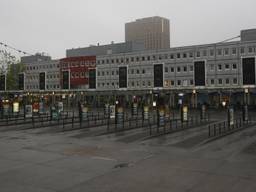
(11, 67)
(13, 70)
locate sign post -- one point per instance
(184, 113)
(230, 116)
(203, 112)
(161, 117)
(245, 113)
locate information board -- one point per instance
(120, 115)
(146, 112)
(16, 107)
(28, 111)
(112, 110)
(161, 117)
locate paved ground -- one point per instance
(36, 161)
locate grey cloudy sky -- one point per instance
(52, 26)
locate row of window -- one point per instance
(51, 86)
(79, 74)
(169, 83)
(172, 69)
(36, 67)
(79, 64)
(192, 54)
(225, 66)
(226, 81)
(48, 76)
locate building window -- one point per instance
(226, 51)
(219, 67)
(166, 69)
(227, 81)
(212, 81)
(171, 56)
(143, 71)
(148, 58)
(211, 67)
(198, 54)
(250, 49)
(185, 68)
(220, 81)
(191, 68)
(143, 58)
(166, 83)
(179, 82)
(205, 53)
(242, 50)
(132, 59)
(138, 71)
(178, 69)
(233, 51)
(184, 55)
(212, 52)
(190, 54)
(137, 59)
(172, 82)
(178, 55)
(191, 82)
(234, 66)
(226, 66)
(235, 81)
(172, 69)
(185, 83)
(219, 51)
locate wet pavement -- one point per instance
(41, 160)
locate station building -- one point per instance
(211, 73)
(78, 69)
(36, 65)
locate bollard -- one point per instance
(209, 130)
(219, 128)
(73, 122)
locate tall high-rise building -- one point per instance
(154, 32)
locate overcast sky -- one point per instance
(52, 26)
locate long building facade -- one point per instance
(211, 73)
(51, 68)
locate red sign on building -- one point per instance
(79, 70)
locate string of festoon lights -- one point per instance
(14, 49)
